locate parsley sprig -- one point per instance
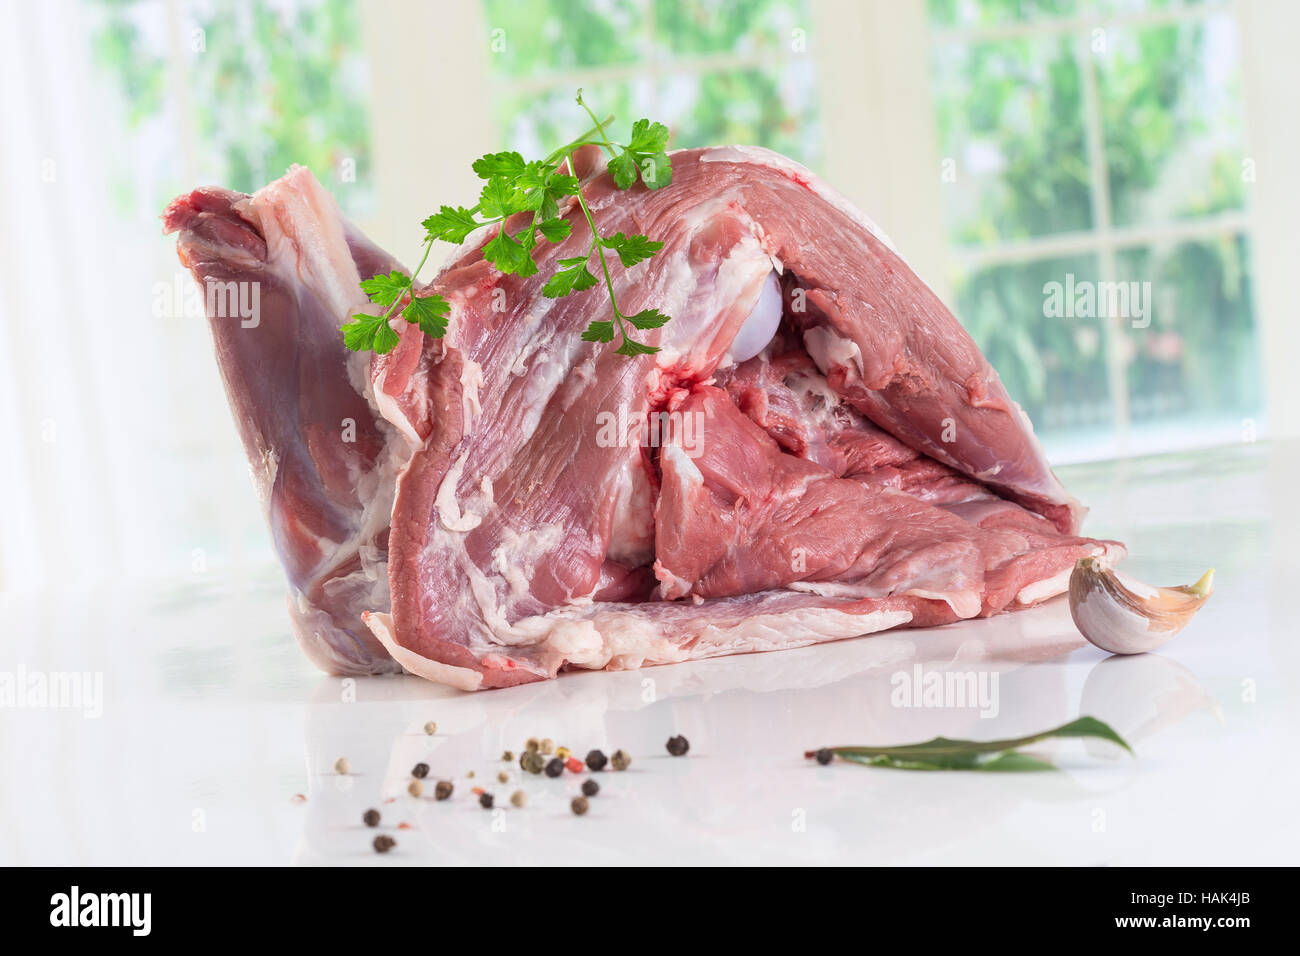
(513, 186)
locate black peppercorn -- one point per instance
(677, 746)
(420, 771)
(824, 756)
(555, 767)
(383, 843)
(443, 790)
(590, 788)
(579, 805)
(370, 818)
(485, 801)
(596, 760)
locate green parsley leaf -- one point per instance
(499, 164)
(623, 169)
(599, 332)
(429, 312)
(555, 230)
(575, 277)
(631, 348)
(386, 289)
(631, 249)
(450, 224)
(369, 333)
(507, 254)
(648, 319)
(500, 198)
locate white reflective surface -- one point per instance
(212, 722)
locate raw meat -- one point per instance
(555, 505)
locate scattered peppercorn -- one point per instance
(563, 752)
(485, 801)
(574, 765)
(533, 745)
(596, 760)
(431, 728)
(420, 771)
(532, 761)
(370, 818)
(677, 746)
(341, 765)
(579, 805)
(383, 843)
(507, 756)
(518, 798)
(590, 788)
(470, 774)
(555, 767)
(548, 745)
(824, 756)
(415, 788)
(443, 790)
(620, 760)
(503, 777)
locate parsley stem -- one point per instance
(393, 309)
(609, 147)
(600, 252)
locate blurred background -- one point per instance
(1003, 144)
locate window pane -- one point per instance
(546, 36)
(1171, 114)
(1011, 136)
(1198, 359)
(984, 13)
(1053, 366)
(695, 28)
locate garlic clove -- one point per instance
(1124, 616)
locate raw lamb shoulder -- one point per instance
(817, 451)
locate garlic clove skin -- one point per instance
(1124, 616)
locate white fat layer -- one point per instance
(381, 625)
(827, 350)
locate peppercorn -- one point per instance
(415, 788)
(620, 760)
(507, 756)
(677, 746)
(383, 843)
(555, 767)
(590, 788)
(341, 765)
(533, 745)
(573, 764)
(443, 790)
(485, 801)
(370, 818)
(579, 805)
(431, 728)
(824, 756)
(503, 777)
(548, 745)
(518, 798)
(563, 752)
(532, 761)
(596, 760)
(420, 771)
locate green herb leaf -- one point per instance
(429, 312)
(450, 224)
(499, 164)
(599, 332)
(369, 333)
(631, 249)
(555, 230)
(386, 289)
(501, 198)
(507, 254)
(648, 319)
(623, 169)
(631, 347)
(941, 753)
(575, 278)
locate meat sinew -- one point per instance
(817, 451)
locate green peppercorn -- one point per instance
(555, 767)
(485, 801)
(824, 756)
(620, 760)
(677, 746)
(590, 788)
(370, 818)
(579, 805)
(443, 790)
(383, 843)
(532, 761)
(420, 771)
(596, 760)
